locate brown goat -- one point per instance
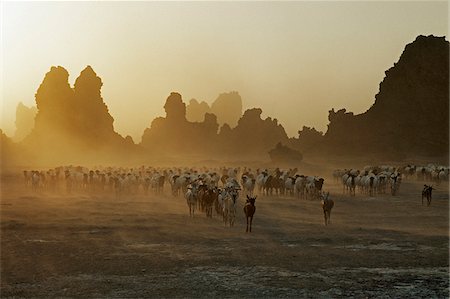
(327, 205)
(249, 210)
(426, 192)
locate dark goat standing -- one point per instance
(249, 210)
(327, 205)
(426, 192)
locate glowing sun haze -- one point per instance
(295, 60)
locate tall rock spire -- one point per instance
(93, 118)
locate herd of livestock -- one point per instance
(208, 190)
(217, 190)
(370, 181)
(132, 181)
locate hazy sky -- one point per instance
(295, 60)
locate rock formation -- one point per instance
(73, 122)
(284, 154)
(93, 122)
(24, 121)
(410, 116)
(55, 103)
(195, 111)
(308, 139)
(227, 107)
(174, 134)
(253, 134)
(411, 111)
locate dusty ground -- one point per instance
(87, 245)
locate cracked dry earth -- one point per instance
(96, 246)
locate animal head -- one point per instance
(324, 196)
(251, 200)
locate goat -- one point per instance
(248, 184)
(229, 206)
(191, 199)
(249, 210)
(426, 192)
(350, 184)
(289, 184)
(209, 198)
(327, 205)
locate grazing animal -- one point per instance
(218, 204)
(313, 187)
(119, 185)
(350, 184)
(289, 185)
(300, 185)
(248, 184)
(268, 186)
(395, 183)
(426, 193)
(229, 206)
(327, 205)
(68, 181)
(224, 179)
(191, 199)
(261, 181)
(249, 210)
(35, 180)
(180, 183)
(201, 193)
(27, 178)
(209, 198)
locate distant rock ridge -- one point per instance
(227, 107)
(175, 134)
(285, 155)
(410, 114)
(24, 121)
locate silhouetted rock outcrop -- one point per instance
(94, 124)
(24, 121)
(227, 107)
(54, 100)
(254, 134)
(195, 111)
(6, 150)
(284, 154)
(174, 134)
(410, 116)
(73, 122)
(308, 139)
(411, 111)
(12, 153)
(175, 109)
